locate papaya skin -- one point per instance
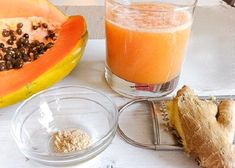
(41, 77)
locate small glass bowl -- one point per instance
(64, 108)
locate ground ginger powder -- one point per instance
(65, 141)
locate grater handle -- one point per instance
(156, 141)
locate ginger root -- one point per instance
(207, 130)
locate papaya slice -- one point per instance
(54, 64)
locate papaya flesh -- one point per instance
(27, 8)
(54, 64)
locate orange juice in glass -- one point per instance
(145, 45)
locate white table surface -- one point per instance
(209, 62)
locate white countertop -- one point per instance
(209, 64)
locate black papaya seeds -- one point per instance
(19, 49)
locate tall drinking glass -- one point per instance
(145, 45)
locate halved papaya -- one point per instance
(51, 66)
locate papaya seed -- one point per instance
(13, 38)
(18, 63)
(4, 49)
(26, 35)
(2, 66)
(9, 65)
(44, 25)
(2, 45)
(5, 33)
(19, 31)
(11, 32)
(19, 25)
(34, 27)
(10, 42)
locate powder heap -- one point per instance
(65, 141)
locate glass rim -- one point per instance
(178, 7)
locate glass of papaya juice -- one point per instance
(145, 45)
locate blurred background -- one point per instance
(93, 11)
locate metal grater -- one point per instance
(161, 125)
